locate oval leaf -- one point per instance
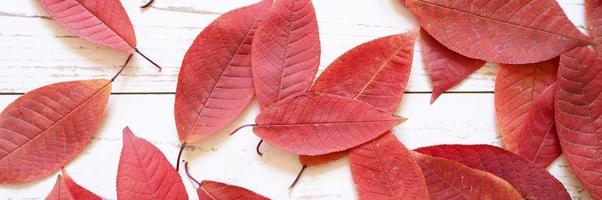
(531, 181)
(49, 126)
(447, 179)
(215, 82)
(316, 124)
(514, 31)
(286, 52)
(384, 169)
(578, 114)
(212, 190)
(445, 67)
(145, 173)
(102, 22)
(67, 189)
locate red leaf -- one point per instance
(445, 67)
(145, 173)
(286, 53)
(516, 89)
(447, 179)
(593, 15)
(514, 32)
(49, 126)
(316, 124)
(579, 114)
(215, 82)
(531, 181)
(101, 22)
(212, 190)
(67, 189)
(384, 169)
(538, 139)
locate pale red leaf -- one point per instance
(532, 181)
(513, 31)
(67, 189)
(447, 179)
(445, 67)
(579, 116)
(316, 124)
(593, 15)
(101, 22)
(286, 52)
(145, 173)
(212, 190)
(384, 169)
(538, 139)
(516, 89)
(49, 126)
(215, 82)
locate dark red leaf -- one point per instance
(531, 181)
(286, 52)
(445, 67)
(384, 169)
(67, 189)
(514, 32)
(212, 190)
(145, 173)
(215, 82)
(579, 116)
(316, 124)
(49, 126)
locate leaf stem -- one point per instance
(147, 4)
(241, 127)
(257, 148)
(189, 175)
(297, 178)
(180, 156)
(122, 67)
(148, 59)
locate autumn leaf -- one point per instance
(593, 15)
(49, 126)
(213, 190)
(532, 181)
(215, 82)
(67, 189)
(145, 173)
(445, 67)
(513, 32)
(447, 179)
(384, 169)
(286, 52)
(316, 124)
(578, 114)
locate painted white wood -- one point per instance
(455, 118)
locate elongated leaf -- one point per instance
(316, 124)
(445, 67)
(593, 15)
(286, 52)
(579, 116)
(538, 141)
(447, 179)
(215, 82)
(67, 189)
(384, 169)
(145, 173)
(516, 89)
(531, 181)
(212, 190)
(101, 22)
(49, 126)
(513, 31)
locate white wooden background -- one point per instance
(35, 51)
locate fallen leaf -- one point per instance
(532, 181)
(49, 126)
(517, 87)
(215, 82)
(316, 124)
(447, 179)
(212, 190)
(384, 169)
(579, 114)
(145, 173)
(538, 138)
(445, 67)
(286, 52)
(513, 32)
(593, 15)
(67, 189)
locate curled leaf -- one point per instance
(67, 189)
(212, 190)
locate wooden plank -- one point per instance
(454, 118)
